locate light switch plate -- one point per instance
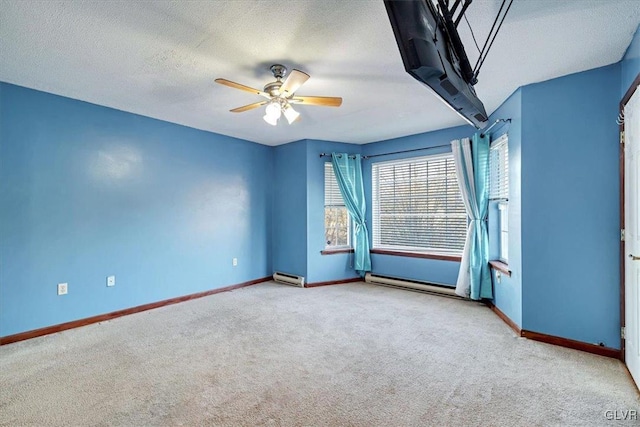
(111, 281)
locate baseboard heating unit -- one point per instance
(414, 285)
(288, 279)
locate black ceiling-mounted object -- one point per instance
(433, 54)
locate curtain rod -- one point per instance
(339, 156)
(408, 151)
(485, 131)
(424, 148)
(395, 152)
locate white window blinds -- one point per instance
(332, 196)
(417, 205)
(499, 169)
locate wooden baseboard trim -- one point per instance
(505, 318)
(569, 343)
(114, 314)
(552, 339)
(333, 282)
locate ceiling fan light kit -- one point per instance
(281, 95)
(272, 113)
(290, 114)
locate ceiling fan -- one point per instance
(281, 95)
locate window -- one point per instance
(336, 217)
(417, 206)
(499, 192)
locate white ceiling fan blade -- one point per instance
(296, 79)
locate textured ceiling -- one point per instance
(160, 58)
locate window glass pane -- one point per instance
(417, 205)
(336, 225)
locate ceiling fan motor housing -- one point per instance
(279, 71)
(273, 88)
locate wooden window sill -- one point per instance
(336, 251)
(441, 257)
(501, 267)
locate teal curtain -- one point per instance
(472, 170)
(480, 273)
(348, 171)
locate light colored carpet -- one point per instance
(274, 355)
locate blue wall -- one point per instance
(289, 209)
(434, 271)
(630, 63)
(298, 212)
(570, 207)
(87, 191)
(508, 290)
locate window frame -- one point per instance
(403, 250)
(328, 166)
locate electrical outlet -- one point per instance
(235, 262)
(111, 281)
(62, 288)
